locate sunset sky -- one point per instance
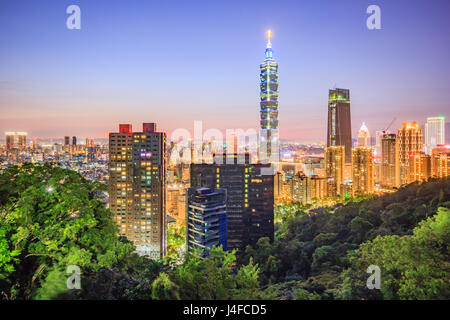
(173, 62)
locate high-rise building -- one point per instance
(250, 196)
(176, 202)
(269, 143)
(21, 140)
(206, 219)
(319, 187)
(440, 162)
(306, 189)
(364, 136)
(378, 137)
(74, 140)
(410, 141)
(390, 162)
(434, 133)
(419, 168)
(278, 185)
(10, 141)
(35, 144)
(300, 188)
(339, 121)
(90, 150)
(67, 144)
(363, 171)
(334, 169)
(137, 187)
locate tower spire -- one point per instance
(269, 36)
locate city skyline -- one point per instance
(41, 87)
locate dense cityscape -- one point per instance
(144, 213)
(231, 203)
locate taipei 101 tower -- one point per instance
(268, 143)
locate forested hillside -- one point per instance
(327, 252)
(51, 218)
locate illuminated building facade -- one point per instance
(250, 197)
(419, 168)
(334, 169)
(364, 136)
(363, 171)
(390, 161)
(176, 202)
(67, 144)
(339, 121)
(206, 219)
(21, 140)
(378, 136)
(300, 188)
(137, 187)
(307, 190)
(410, 141)
(269, 143)
(440, 162)
(434, 133)
(10, 141)
(12, 138)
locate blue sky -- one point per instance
(173, 62)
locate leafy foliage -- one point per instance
(51, 218)
(315, 250)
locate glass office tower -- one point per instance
(269, 143)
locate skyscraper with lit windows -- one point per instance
(390, 161)
(21, 140)
(339, 121)
(364, 136)
(10, 141)
(137, 187)
(440, 162)
(269, 143)
(334, 168)
(363, 170)
(410, 141)
(250, 198)
(434, 133)
(206, 219)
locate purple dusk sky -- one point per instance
(173, 62)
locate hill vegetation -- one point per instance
(52, 218)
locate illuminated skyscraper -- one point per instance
(364, 136)
(410, 141)
(137, 187)
(21, 140)
(434, 133)
(306, 189)
(363, 171)
(206, 219)
(419, 168)
(378, 136)
(10, 141)
(250, 197)
(440, 162)
(339, 121)
(269, 144)
(334, 168)
(300, 189)
(67, 144)
(390, 162)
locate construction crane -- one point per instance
(390, 124)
